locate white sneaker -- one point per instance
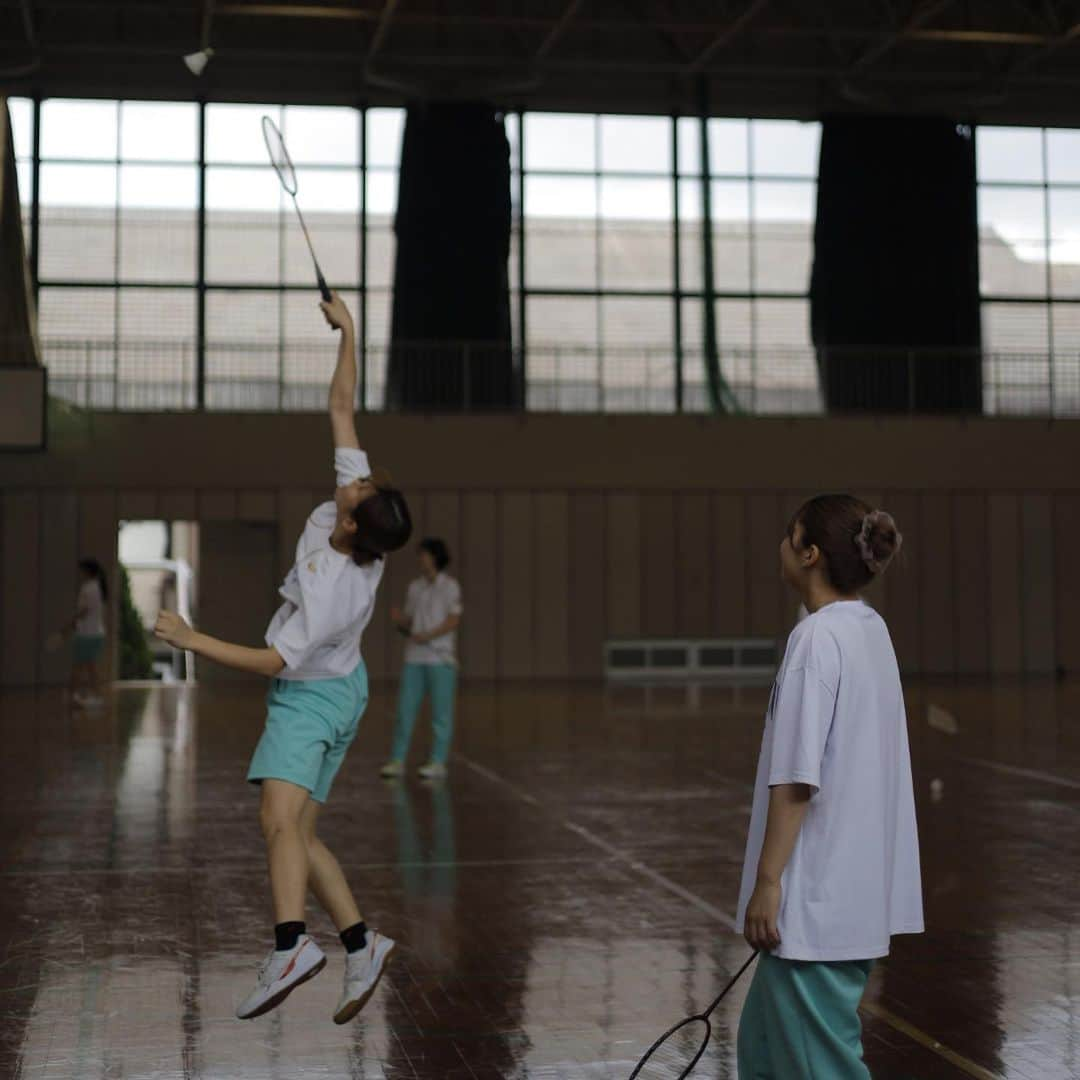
(363, 970)
(392, 768)
(433, 770)
(281, 973)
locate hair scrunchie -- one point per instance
(862, 539)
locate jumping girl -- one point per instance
(318, 692)
(832, 857)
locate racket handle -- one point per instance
(323, 287)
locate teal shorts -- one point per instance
(86, 648)
(310, 724)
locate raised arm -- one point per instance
(343, 384)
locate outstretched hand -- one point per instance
(336, 313)
(173, 629)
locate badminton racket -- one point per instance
(674, 1055)
(283, 166)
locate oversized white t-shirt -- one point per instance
(836, 722)
(91, 623)
(329, 599)
(428, 604)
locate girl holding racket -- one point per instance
(832, 857)
(318, 692)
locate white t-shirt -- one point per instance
(836, 721)
(91, 623)
(329, 600)
(428, 604)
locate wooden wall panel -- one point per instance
(1067, 581)
(137, 505)
(658, 557)
(59, 578)
(971, 585)
(901, 582)
(623, 566)
(1005, 553)
(21, 552)
(517, 572)
(729, 607)
(257, 506)
(764, 568)
(588, 628)
(477, 570)
(551, 558)
(237, 561)
(218, 505)
(1037, 585)
(693, 563)
(177, 505)
(936, 581)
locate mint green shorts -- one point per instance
(86, 648)
(310, 724)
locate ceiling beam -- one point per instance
(894, 37)
(557, 31)
(727, 35)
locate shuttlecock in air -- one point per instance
(196, 62)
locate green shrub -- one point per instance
(135, 659)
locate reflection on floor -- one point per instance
(560, 899)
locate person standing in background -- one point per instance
(87, 630)
(430, 619)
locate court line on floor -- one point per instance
(879, 1012)
(1016, 770)
(609, 849)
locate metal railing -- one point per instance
(148, 375)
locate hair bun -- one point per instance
(878, 540)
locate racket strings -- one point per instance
(673, 1057)
(279, 156)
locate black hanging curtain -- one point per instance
(450, 334)
(894, 294)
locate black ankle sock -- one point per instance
(354, 937)
(286, 935)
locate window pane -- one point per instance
(21, 111)
(78, 129)
(322, 136)
(560, 197)
(385, 129)
(156, 349)
(728, 149)
(378, 334)
(158, 222)
(636, 236)
(785, 148)
(635, 144)
(1009, 154)
(564, 368)
(382, 193)
(731, 235)
(690, 254)
(513, 137)
(560, 141)
(381, 247)
(159, 131)
(78, 222)
(234, 133)
(78, 335)
(638, 368)
(1065, 241)
(243, 350)
(243, 225)
(629, 199)
(1063, 156)
(783, 235)
(336, 239)
(1015, 327)
(689, 145)
(1018, 215)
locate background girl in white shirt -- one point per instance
(832, 859)
(87, 629)
(318, 692)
